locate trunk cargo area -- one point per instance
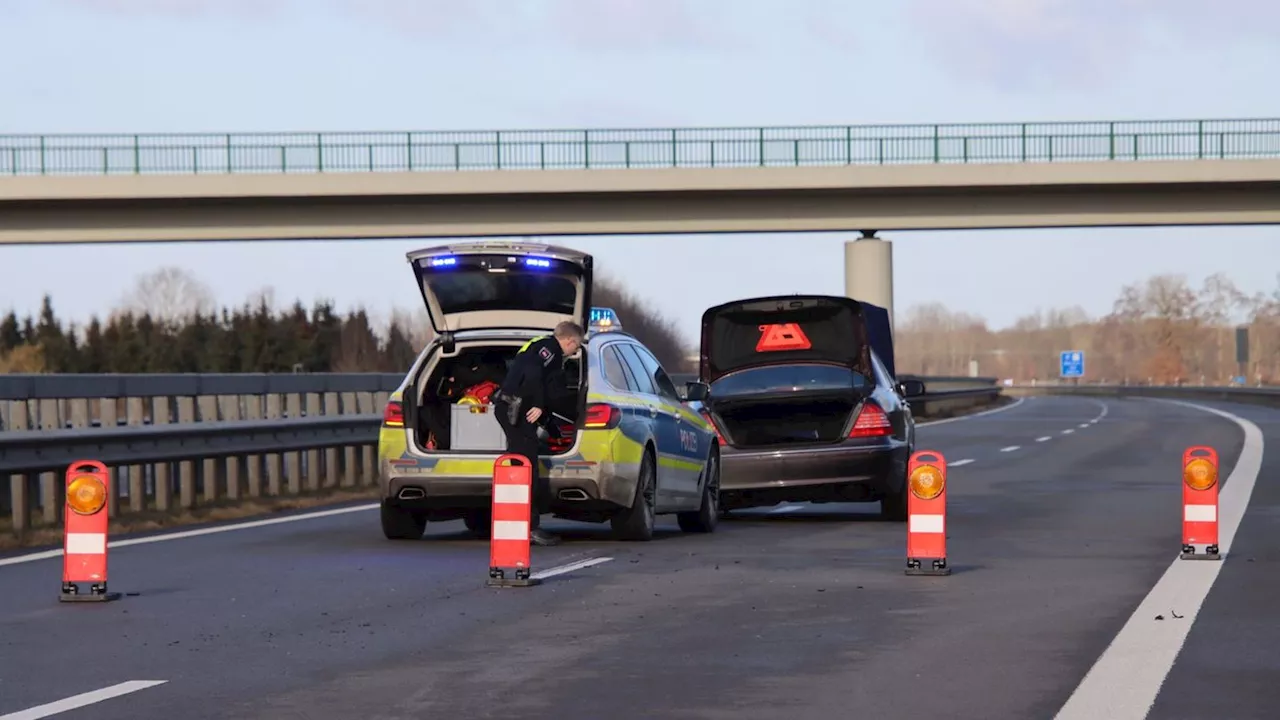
(443, 422)
(776, 422)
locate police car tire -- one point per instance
(704, 519)
(637, 521)
(400, 523)
(479, 522)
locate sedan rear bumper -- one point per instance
(851, 471)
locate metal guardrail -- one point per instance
(222, 447)
(1266, 396)
(320, 152)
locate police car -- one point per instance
(628, 449)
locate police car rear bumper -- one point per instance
(568, 490)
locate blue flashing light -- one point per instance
(603, 319)
(537, 262)
(448, 261)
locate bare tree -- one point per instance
(169, 295)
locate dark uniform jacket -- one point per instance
(537, 375)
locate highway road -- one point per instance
(1064, 520)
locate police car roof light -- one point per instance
(446, 261)
(537, 262)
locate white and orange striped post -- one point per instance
(1200, 503)
(927, 513)
(84, 535)
(509, 540)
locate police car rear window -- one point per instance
(483, 290)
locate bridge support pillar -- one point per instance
(868, 271)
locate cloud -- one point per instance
(1022, 43)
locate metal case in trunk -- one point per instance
(474, 427)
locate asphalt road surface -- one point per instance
(1064, 528)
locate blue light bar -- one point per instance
(603, 318)
(444, 261)
(537, 262)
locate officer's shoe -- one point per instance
(541, 537)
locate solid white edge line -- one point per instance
(562, 569)
(46, 554)
(179, 535)
(82, 700)
(1126, 679)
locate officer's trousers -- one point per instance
(522, 439)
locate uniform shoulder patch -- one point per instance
(545, 353)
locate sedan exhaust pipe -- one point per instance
(412, 493)
(573, 494)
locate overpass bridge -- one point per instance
(304, 186)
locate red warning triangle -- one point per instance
(784, 336)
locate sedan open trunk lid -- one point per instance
(786, 329)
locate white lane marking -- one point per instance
(944, 421)
(1083, 425)
(566, 568)
(46, 554)
(1011, 448)
(82, 700)
(1046, 438)
(958, 463)
(1068, 431)
(1125, 681)
(784, 509)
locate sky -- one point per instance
(128, 66)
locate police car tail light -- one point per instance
(871, 422)
(602, 416)
(707, 416)
(393, 414)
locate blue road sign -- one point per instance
(1072, 363)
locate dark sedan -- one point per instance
(802, 391)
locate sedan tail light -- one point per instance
(871, 422)
(707, 416)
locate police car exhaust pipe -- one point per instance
(411, 493)
(572, 494)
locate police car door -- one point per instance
(679, 445)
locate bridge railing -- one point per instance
(328, 152)
(180, 442)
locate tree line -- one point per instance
(168, 323)
(1159, 331)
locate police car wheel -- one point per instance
(636, 522)
(399, 523)
(479, 522)
(704, 519)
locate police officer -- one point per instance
(534, 380)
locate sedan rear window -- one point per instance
(781, 378)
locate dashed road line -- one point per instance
(1083, 425)
(562, 569)
(1046, 438)
(1068, 431)
(1011, 448)
(82, 700)
(958, 463)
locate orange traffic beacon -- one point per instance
(927, 513)
(509, 540)
(1200, 503)
(84, 536)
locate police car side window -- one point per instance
(645, 385)
(666, 388)
(613, 371)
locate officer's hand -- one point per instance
(533, 414)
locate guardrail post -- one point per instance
(186, 468)
(313, 456)
(331, 408)
(254, 463)
(350, 452)
(51, 491)
(134, 414)
(162, 471)
(293, 460)
(274, 460)
(229, 409)
(210, 470)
